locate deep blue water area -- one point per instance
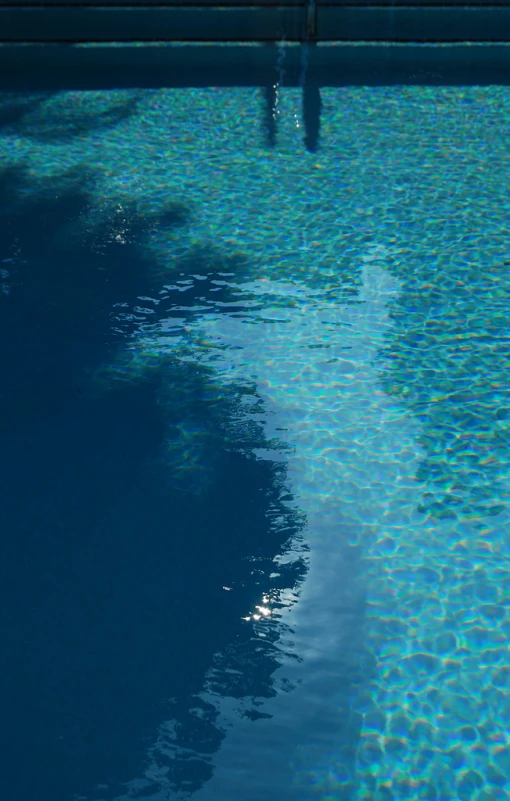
(111, 578)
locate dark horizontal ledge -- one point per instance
(299, 4)
(264, 24)
(56, 67)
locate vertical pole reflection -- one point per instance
(312, 107)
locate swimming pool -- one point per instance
(256, 424)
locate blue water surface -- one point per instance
(254, 404)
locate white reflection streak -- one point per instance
(327, 404)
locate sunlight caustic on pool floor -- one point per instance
(366, 302)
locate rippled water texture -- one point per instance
(345, 315)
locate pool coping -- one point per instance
(39, 67)
(350, 21)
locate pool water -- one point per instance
(255, 431)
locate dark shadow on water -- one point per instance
(60, 116)
(270, 116)
(312, 109)
(15, 106)
(112, 579)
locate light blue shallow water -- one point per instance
(352, 305)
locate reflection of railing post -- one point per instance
(310, 20)
(311, 92)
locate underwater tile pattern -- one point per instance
(371, 313)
